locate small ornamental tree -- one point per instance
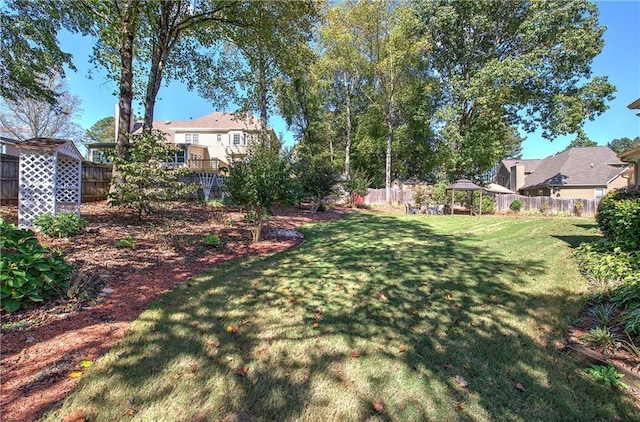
(256, 182)
(145, 178)
(316, 180)
(357, 186)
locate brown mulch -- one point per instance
(45, 344)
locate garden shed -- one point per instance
(465, 185)
(50, 179)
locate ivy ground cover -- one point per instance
(373, 317)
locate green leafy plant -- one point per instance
(488, 203)
(126, 242)
(607, 375)
(420, 196)
(603, 313)
(212, 240)
(144, 180)
(578, 209)
(544, 209)
(316, 179)
(516, 205)
(618, 217)
(600, 337)
(357, 186)
(630, 317)
(29, 272)
(60, 225)
(256, 182)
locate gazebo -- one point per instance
(50, 179)
(466, 185)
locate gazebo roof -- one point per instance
(464, 184)
(63, 146)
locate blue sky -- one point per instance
(619, 61)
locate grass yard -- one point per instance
(374, 317)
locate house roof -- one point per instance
(630, 154)
(215, 122)
(634, 105)
(10, 141)
(530, 165)
(579, 166)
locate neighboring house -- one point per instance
(511, 171)
(8, 146)
(207, 143)
(581, 172)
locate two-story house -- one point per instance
(209, 142)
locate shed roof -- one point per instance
(64, 146)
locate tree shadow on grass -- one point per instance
(369, 309)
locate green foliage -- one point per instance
(316, 179)
(580, 141)
(578, 209)
(60, 225)
(439, 193)
(618, 217)
(600, 337)
(420, 196)
(212, 240)
(516, 205)
(603, 313)
(29, 272)
(357, 186)
(126, 242)
(145, 179)
(630, 318)
(624, 144)
(103, 130)
(607, 375)
(488, 203)
(257, 181)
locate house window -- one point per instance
(219, 138)
(244, 139)
(180, 156)
(192, 138)
(599, 193)
(236, 139)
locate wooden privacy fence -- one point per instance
(378, 196)
(548, 205)
(96, 179)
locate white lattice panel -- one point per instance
(50, 182)
(37, 180)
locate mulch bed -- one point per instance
(46, 343)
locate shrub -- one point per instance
(578, 209)
(126, 242)
(60, 225)
(607, 375)
(212, 240)
(316, 179)
(488, 203)
(420, 196)
(143, 180)
(357, 186)
(618, 217)
(29, 272)
(515, 205)
(630, 318)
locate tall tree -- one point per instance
(103, 130)
(624, 144)
(26, 118)
(267, 47)
(504, 64)
(29, 52)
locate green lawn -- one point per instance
(440, 318)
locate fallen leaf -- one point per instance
(447, 366)
(129, 412)
(262, 351)
(448, 297)
(520, 387)
(413, 313)
(403, 348)
(75, 374)
(355, 354)
(378, 406)
(85, 363)
(460, 405)
(245, 322)
(382, 296)
(463, 382)
(317, 316)
(466, 365)
(242, 371)
(214, 343)
(77, 415)
(194, 369)
(315, 325)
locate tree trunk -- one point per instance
(347, 147)
(388, 161)
(126, 81)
